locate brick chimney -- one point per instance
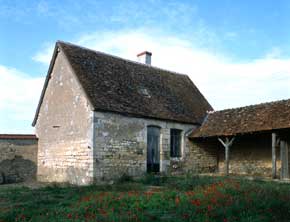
(145, 57)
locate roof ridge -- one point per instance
(251, 105)
(118, 57)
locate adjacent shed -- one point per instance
(253, 140)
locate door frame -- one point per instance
(156, 167)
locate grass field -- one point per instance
(151, 198)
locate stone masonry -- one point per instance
(121, 146)
(64, 129)
(18, 158)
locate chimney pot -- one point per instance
(145, 57)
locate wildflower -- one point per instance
(189, 193)
(86, 199)
(69, 216)
(185, 216)
(196, 202)
(209, 208)
(213, 200)
(177, 200)
(103, 212)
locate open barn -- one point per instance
(252, 140)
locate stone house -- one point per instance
(100, 117)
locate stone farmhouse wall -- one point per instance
(121, 147)
(64, 129)
(202, 158)
(18, 159)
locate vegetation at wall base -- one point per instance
(152, 198)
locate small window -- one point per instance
(175, 143)
(145, 92)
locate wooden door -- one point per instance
(153, 149)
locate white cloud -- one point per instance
(19, 95)
(223, 82)
(44, 56)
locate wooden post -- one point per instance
(274, 160)
(227, 145)
(227, 171)
(284, 160)
(281, 158)
(286, 169)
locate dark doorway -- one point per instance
(153, 149)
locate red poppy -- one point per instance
(189, 193)
(103, 212)
(196, 202)
(209, 208)
(185, 216)
(69, 216)
(177, 200)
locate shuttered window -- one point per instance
(175, 143)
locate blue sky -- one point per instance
(236, 52)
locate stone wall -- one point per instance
(250, 155)
(202, 157)
(64, 129)
(18, 158)
(121, 148)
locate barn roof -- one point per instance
(248, 119)
(119, 85)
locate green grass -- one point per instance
(151, 199)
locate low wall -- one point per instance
(18, 158)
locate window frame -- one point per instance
(175, 135)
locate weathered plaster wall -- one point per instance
(121, 147)
(18, 160)
(250, 155)
(64, 129)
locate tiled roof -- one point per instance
(119, 85)
(248, 119)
